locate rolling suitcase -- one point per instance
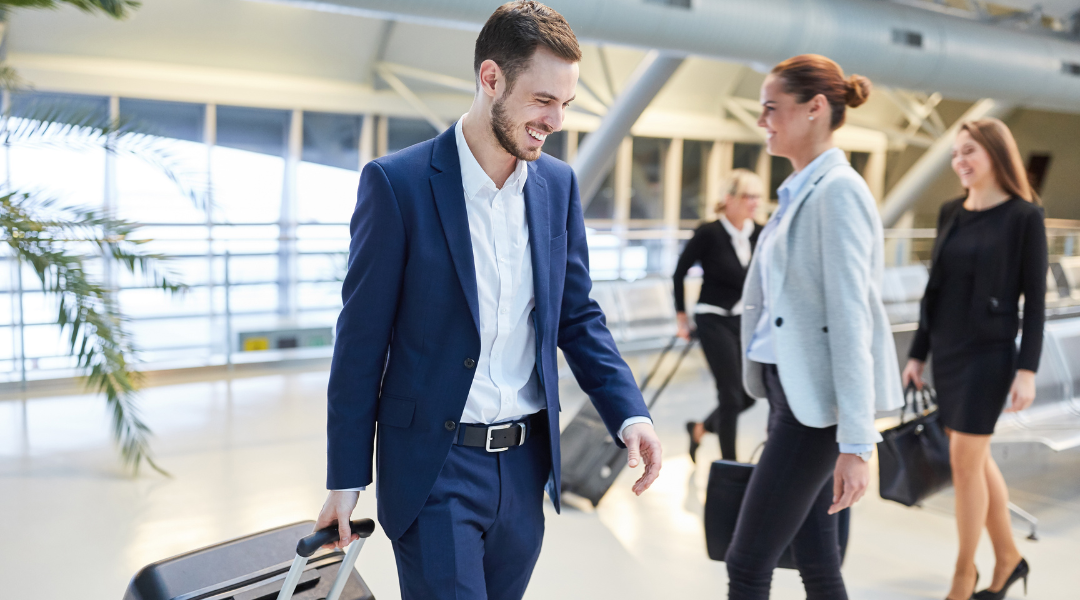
(590, 458)
(277, 564)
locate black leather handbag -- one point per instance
(723, 500)
(913, 457)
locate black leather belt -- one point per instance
(501, 436)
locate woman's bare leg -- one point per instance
(968, 455)
(999, 526)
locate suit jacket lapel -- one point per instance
(450, 200)
(536, 213)
(780, 249)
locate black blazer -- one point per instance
(722, 283)
(1013, 263)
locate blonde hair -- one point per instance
(736, 184)
(995, 137)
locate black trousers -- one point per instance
(723, 350)
(787, 502)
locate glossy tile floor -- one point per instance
(248, 453)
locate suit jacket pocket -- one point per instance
(559, 242)
(396, 411)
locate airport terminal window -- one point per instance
(248, 164)
(647, 178)
(327, 176)
(332, 139)
(780, 169)
(1038, 165)
(859, 160)
(402, 133)
(745, 156)
(555, 145)
(75, 176)
(693, 179)
(144, 192)
(603, 204)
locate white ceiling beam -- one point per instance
(403, 90)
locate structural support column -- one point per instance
(597, 152)
(287, 231)
(933, 163)
(672, 186)
(716, 173)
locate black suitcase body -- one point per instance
(727, 486)
(591, 460)
(248, 568)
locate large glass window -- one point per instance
(745, 156)
(779, 170)
(693, 179)
(647, 178)
(327, 177)
(555, 145)
(248, 166)
(402, 133)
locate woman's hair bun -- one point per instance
(858, 90)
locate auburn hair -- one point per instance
(807, 75)
(1006, 163)
(515, 30)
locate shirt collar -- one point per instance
(794, 184)
(744, 233)
(473, 176)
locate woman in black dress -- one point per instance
(990, 250)
(723, 247)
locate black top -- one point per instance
(982, 262)
(722, 283)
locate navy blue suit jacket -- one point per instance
(409, 326)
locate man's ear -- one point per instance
(490, 76)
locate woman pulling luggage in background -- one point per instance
(990, 249)
(723, 247)
(817, 340)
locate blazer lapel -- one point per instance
(536, 213)
(450, 200)
(780, 249)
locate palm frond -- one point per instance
(49, 124)
(87, 310)
(114, 8)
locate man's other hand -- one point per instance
(338, 509)
(641, 441)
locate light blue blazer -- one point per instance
(833, 343)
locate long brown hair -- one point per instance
(808, 75)
(995, 137)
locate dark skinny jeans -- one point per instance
(787, 502)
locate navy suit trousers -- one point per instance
(478, 536)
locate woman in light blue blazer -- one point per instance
(817, 340)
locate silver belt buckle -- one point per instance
(491, 428)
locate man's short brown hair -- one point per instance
(515, 30)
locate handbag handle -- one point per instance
(921, 401)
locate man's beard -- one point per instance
(504, 133)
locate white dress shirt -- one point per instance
(505, 386)
(740, 241)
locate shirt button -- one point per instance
(469, 363)
(779, 321)
(450, 425)
(504, 311)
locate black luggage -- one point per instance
(590, 458)
(258, 567)
(723, 500)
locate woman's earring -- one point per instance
(811, 118)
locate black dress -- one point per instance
(973, 371)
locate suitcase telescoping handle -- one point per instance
(308, 545)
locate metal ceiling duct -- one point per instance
(892, 43)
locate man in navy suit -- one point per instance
(468, 267)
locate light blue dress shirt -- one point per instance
(761, 345)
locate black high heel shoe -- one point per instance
(690, 426)
(1021, 571)
(972, 596)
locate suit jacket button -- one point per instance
(469, 363)
(450, 425)
(994, 302)
(779, 321)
